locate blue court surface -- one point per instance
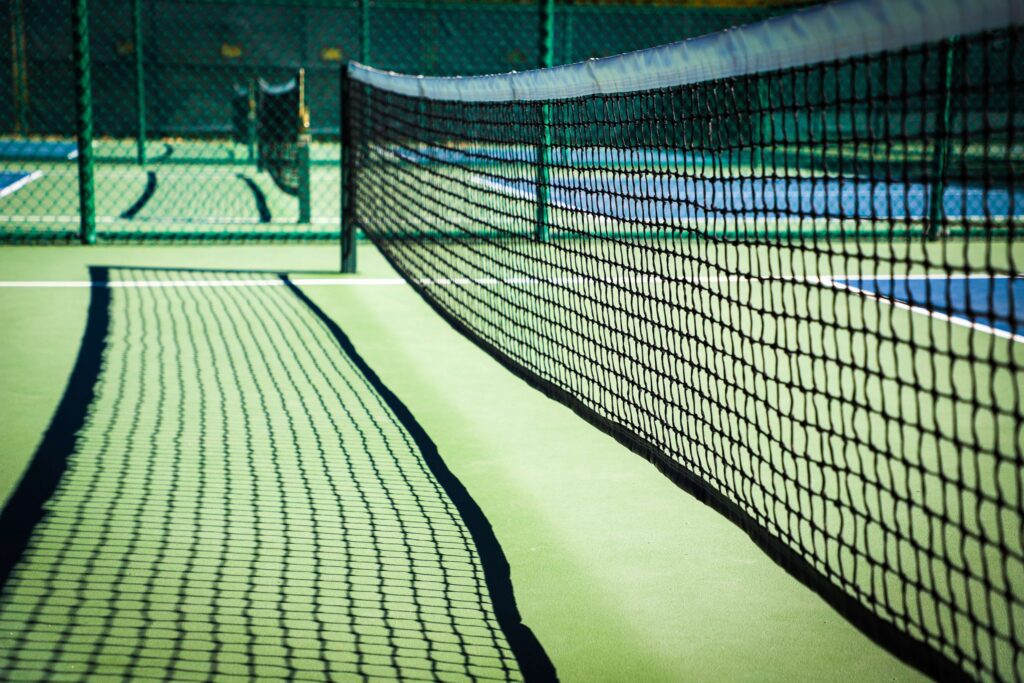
(665, 198)
(12, 181)
(995, 302)
(38, 150)
(576, 183)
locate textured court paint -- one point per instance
(252, 472)
(620, 574)
(41, 333)
(40, 329)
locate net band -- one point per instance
(830, 32)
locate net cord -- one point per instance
(826, 33)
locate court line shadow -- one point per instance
(25, 508)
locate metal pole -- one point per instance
(83, 123)
(940, 151)
(348, 214)
(547, 50)
(304, 142)
(19, 67)
(140, 81)
(567, 47)
(364, 31)
(250, 122)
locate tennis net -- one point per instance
(281, 123)
(781, 262)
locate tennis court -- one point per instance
(702, 361)
(197, 594)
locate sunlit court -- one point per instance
(352, 340)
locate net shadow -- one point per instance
(227, 489)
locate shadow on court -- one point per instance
(227, 489)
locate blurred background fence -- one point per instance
(169, 159)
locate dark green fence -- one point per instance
(169, 163)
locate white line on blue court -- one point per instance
(18, 184)
(955, 320)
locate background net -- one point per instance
(169, 163)
(796, 291)
(279, 113)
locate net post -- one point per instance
(83, 120)
(547, 50)
(140, 82)
(348, 215)
(303, 148)
(941, 148)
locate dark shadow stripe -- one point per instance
(25, 509)
(908, 649)
(167, 153)
(533, 661)
(261, 199)
(146, 195)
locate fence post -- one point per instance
(567, 28)
(348, 216)
(140, 81)
(83, 120)
(304, 143)
(364, 31)
(19, 67)
(547, 48)
(250, 122)
(940, 150)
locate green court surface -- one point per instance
(319, 478)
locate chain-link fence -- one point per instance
(175, 84)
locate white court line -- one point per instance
(829, 280)
(18, 184)
(168, 220)
(158, 284)
(955, 320)
(834, 281)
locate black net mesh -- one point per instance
(797, 292)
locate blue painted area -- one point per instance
(664, 197)
(649, 195)
(38, 150)
(996, 302)
(648, 157)
(9, 181)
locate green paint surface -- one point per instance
(619, 573)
